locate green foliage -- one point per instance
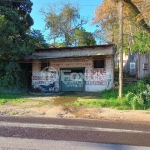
(15, 21)
(62, 21)
(117, 104)
(82, 38)
(3, 23)
(9, 74)
(38, 39)
(135, 21)
(110, 94)
(77, 103)
(9, 97)
(136, 95)
(139, 97)
(142, 43)
(2, 101)
(58, 44)
(147, 79)
(135, 101)
(15, 43)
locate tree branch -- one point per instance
(134, 10)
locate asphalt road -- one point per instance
(68, 130)
(32, 144)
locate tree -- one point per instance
(38, 38)
(106, 18)
(134, 22)
(82, 38)
(15, 43)
(136, 12)
(142, 42)
(63, 21)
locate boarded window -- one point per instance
(99, 63)
(44, 64)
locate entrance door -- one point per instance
(72, 79)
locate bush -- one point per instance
(147, 79)
(136, 95)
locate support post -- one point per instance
(121, 49)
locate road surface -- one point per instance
(27, 133)
(32, 144)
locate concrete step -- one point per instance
(128, 81)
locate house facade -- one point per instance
(89, 68)
(135, 65)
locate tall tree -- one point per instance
(106, 18)
(82, 38)
(134, 11)
(142, 42)
(62, 21)
(15, 43)
(38, 39)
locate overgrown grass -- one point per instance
(117, 104)
(10, 98)
(113, 93)
(18, 100)
(136, 95)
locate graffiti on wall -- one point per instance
(91, 77)
(73, 80)
(39, 80)
(97, 77)
(71, 62)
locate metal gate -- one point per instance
(72, 79)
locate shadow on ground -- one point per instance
(62, 98)
(70, 94)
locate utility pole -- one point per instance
(121, 49)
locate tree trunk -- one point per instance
(121, 49)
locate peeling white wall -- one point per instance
(95, 79)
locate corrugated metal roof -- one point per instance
(71, 48)
(49, 57)
(73, 52)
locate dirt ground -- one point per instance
(53, 109)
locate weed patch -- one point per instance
(10, 98)
(135, 96)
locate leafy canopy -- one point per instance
(62, 20)
(136, 23)
(82, 38)
(15, 42)
(15, 22)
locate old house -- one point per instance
(88, 68)
(135, 65)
